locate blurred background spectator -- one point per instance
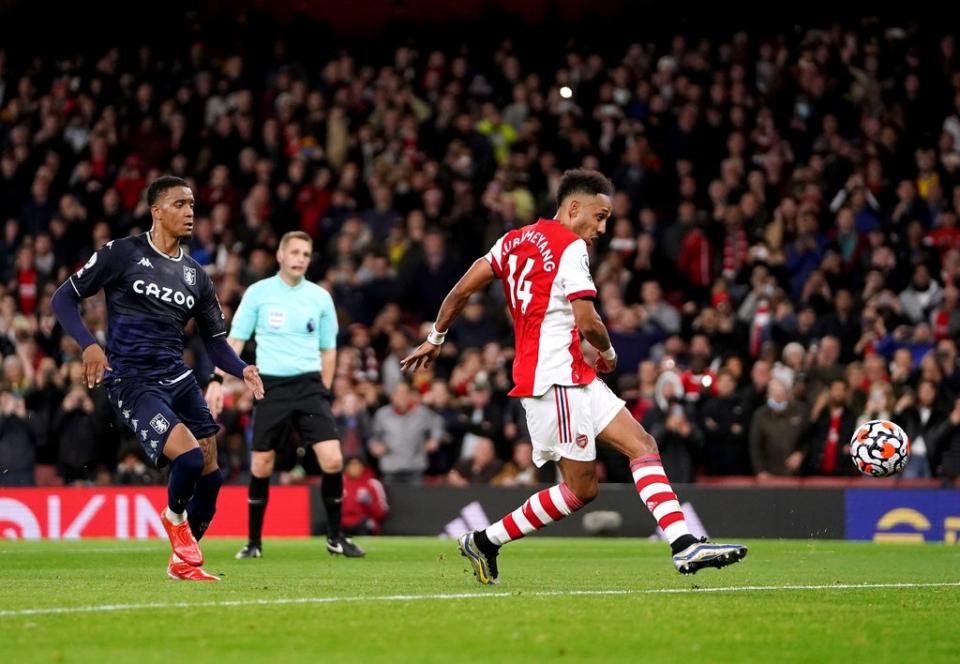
(364, 499)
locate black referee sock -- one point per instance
(332, 492)
(257, 505)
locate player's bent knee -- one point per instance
(329, 456)
(332, 467)
(262, 470)
(647, 444)
(332, 463)
(587, 491)
(189, 462)
(262, 466)
(585, 487)
(641, 447)
(179, 440)
(209, 448)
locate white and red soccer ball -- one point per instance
(879, 448)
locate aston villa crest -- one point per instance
(190, 275)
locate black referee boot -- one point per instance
(251, 550)
(344, 546)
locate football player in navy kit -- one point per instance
(152, 289)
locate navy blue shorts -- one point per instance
(151, 408)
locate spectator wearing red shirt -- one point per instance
(698, 379)
(946, 235)
(219, 189)
(130, 183)
(27, 280)
(364, 500)
(832, 424)
(946, 318)
(312, 202)
(696, 261)
(647, 374)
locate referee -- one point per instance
(292, 318)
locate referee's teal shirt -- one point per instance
(292, 324)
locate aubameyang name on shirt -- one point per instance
(539, 240)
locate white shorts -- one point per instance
(564, 421)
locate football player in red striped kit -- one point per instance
(545, 272)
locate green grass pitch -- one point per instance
(413, 599)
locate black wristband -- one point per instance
(216, 378)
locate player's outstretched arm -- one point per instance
(214, 394)
(251, 378)
(225, 357)
(66, 303)
(476, 278)
(593, 330)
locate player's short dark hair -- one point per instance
(160, 185)
(583, 181)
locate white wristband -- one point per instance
(436, 337)
(609, 355)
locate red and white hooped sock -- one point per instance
(656, 492)
(541, 509)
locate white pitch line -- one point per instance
(102, 608)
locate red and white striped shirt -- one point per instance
(544, 267)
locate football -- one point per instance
(880, 448)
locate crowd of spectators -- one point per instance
(782, 261)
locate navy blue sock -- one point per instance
(203, 505)
(184, 472)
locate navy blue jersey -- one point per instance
(150, 298)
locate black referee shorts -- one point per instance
(293, 402)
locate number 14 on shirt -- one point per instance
(519, 288)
